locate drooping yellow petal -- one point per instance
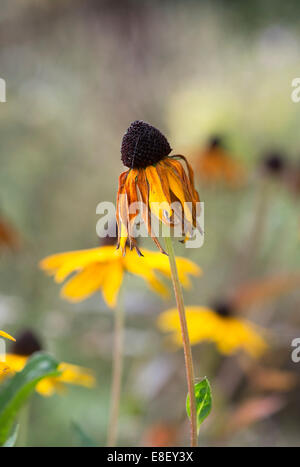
(230, 334)
(112, 281)
(189, 180)
(121, 212)
(177, 188)
(123, 238)
(143, 196)
(125, 214)
(85, 283)
(7, 336)
(159, 201)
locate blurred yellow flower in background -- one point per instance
(70, 374)
(26, 345)
(214, 164)
(103, 269)
(229, 333)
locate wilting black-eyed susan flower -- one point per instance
(27, 344)
(155, 181)
(215, 165)
(103, 268)
(218, 325)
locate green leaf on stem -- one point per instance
(203, 401)
(15, 391)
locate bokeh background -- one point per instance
(77, 73)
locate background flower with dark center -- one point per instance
(103, 268)
(27, 343)
(274, 164)
(214, 164)
(154, 178)
(218, 324)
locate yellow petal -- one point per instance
(242, 334)
(70, 374)
(161, 262)
(137, 266)
(15, 362)
(123, 238)
(49, 386)
(46, 387)
(158, 201)
(142, 190)
(5, 371)
(178, 190)
(63, 264)
(4, 334)
(112, 281)
(85, 283)
(73, 374)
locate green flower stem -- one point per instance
(185, 338)
(116, 375)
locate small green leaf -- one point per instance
(84, 439)
(203, 401)
(15, 391)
